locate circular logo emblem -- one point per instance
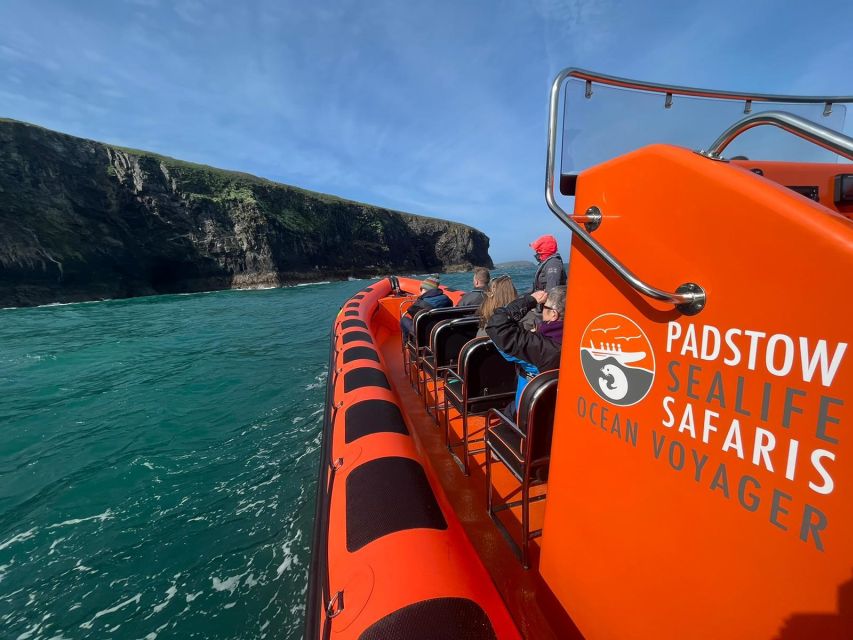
(617, 359)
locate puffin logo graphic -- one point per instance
(617, 359)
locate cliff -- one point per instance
(82, 220)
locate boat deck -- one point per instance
(529, 600)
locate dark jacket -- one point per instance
(430, 299)
(473, 298)
(551, 272)
(533, 351)
(505, 330)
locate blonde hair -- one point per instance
(500, 293)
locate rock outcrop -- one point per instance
(81, 220)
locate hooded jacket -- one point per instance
(550, 273)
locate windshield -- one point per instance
(610, 121)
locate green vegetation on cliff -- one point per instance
(81, 220)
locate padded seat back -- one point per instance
(485, 372)
(426, 319)
(536, 414)
(449, 336)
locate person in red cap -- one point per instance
(551, 273)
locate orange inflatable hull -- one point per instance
(392, 551)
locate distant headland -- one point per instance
(83, 220)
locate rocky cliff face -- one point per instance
(82, 220)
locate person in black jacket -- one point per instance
(431, 298)
(532, 351)
(475, 297)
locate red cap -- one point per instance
(545, 246)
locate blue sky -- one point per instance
(433, 107)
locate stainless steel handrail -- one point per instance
(627, 83)
(689, 298)
(802, 127)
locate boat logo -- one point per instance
(617, 359)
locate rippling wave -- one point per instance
(158, 461)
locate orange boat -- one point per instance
(688, 471)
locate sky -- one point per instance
(435, 107)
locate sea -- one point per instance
(159, 460)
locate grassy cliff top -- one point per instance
(220, 180)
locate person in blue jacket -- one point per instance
(431, 298)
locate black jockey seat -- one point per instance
(483, 380)
(418, 342)
(525, 449)
(445, 342)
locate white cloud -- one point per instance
(11, 53)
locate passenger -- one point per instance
(551, 273)
(532, 351)
(501, 292)
(475, 297)
(431, 297)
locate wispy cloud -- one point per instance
(576, 29)
(433, 107)
(195, 12)
(10, 53)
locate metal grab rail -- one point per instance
(689, 298)
(802, 127)
(676, 90)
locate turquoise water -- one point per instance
(158, 461)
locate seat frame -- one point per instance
(527, 433)
(428, 365)
(461, 374)
(414, 348)
(405, 303)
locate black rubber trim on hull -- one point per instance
(353, 336)
(365, 377)
(353, 324)
(372, 416)
(387, 495)
(360, 353)
(436, 619)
